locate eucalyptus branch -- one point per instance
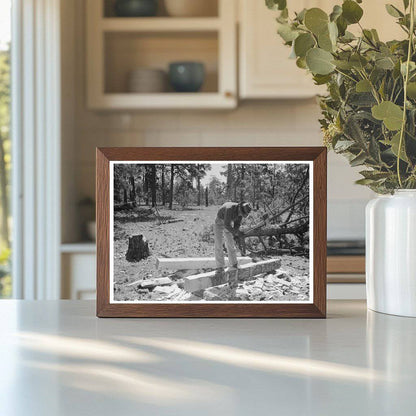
(406, 80)
(377, 121)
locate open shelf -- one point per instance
(127, 51)
(130, 101)
(108, 9)
(160, 24)
(116, 46)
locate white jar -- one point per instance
(391, 253)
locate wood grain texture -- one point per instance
(346, 264)
(317, 309)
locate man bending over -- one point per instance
(227, 226)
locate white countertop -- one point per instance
(58, 359)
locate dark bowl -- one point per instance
(186, 76)
(136, 8)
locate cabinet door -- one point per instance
(265, 68)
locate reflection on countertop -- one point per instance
(63, 360)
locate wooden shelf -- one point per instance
(128, 101)
(346, 264)
(159, 24)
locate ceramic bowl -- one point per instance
(147, 80)
(186, 76)
(135, 8)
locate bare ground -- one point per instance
(192, 237)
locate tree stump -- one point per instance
(138, 248)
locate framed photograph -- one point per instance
(211, 232)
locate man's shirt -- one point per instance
(229, 213)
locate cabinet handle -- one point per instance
(228, 94)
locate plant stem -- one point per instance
(406, 80)
(345, 75)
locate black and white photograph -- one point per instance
(211, 232)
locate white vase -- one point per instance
(391, 253)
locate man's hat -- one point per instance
(246, 208)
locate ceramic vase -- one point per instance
(391, 253)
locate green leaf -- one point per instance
(354, 131)
(393, 11)
(412, 67)
(406, 4)
(301, 63)
(276, 4)
(361, 99)
(321, 79)
(411, 90)
(319, 61)
(324, 42)
(358, 61)
(375, 35)
(300, 17)
(286, 32)
(336, 12)
(385, 63)
(303, 43)
(351, 11)
(333, 32)
(363, 86)
(364, 181)
(374, 175)
(347, 37)
(374, 150)
(358, 160)
(394, 145)
(342, 25)
(343, 65)
(327, 40)
(316, 20)
(368, 36)
(343, 145)
(391, 114)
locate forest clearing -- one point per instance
(192, 236)
(259, 211)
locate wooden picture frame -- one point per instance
(315, 308)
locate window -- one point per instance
(5, 145)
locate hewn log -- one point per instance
(193, 263)
(138, 248)
(245, 272)
(150, 283)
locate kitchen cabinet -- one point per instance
(116, 46)
(265, 70)
(78, 264)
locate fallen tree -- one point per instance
(266, 217)
(276, 231)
